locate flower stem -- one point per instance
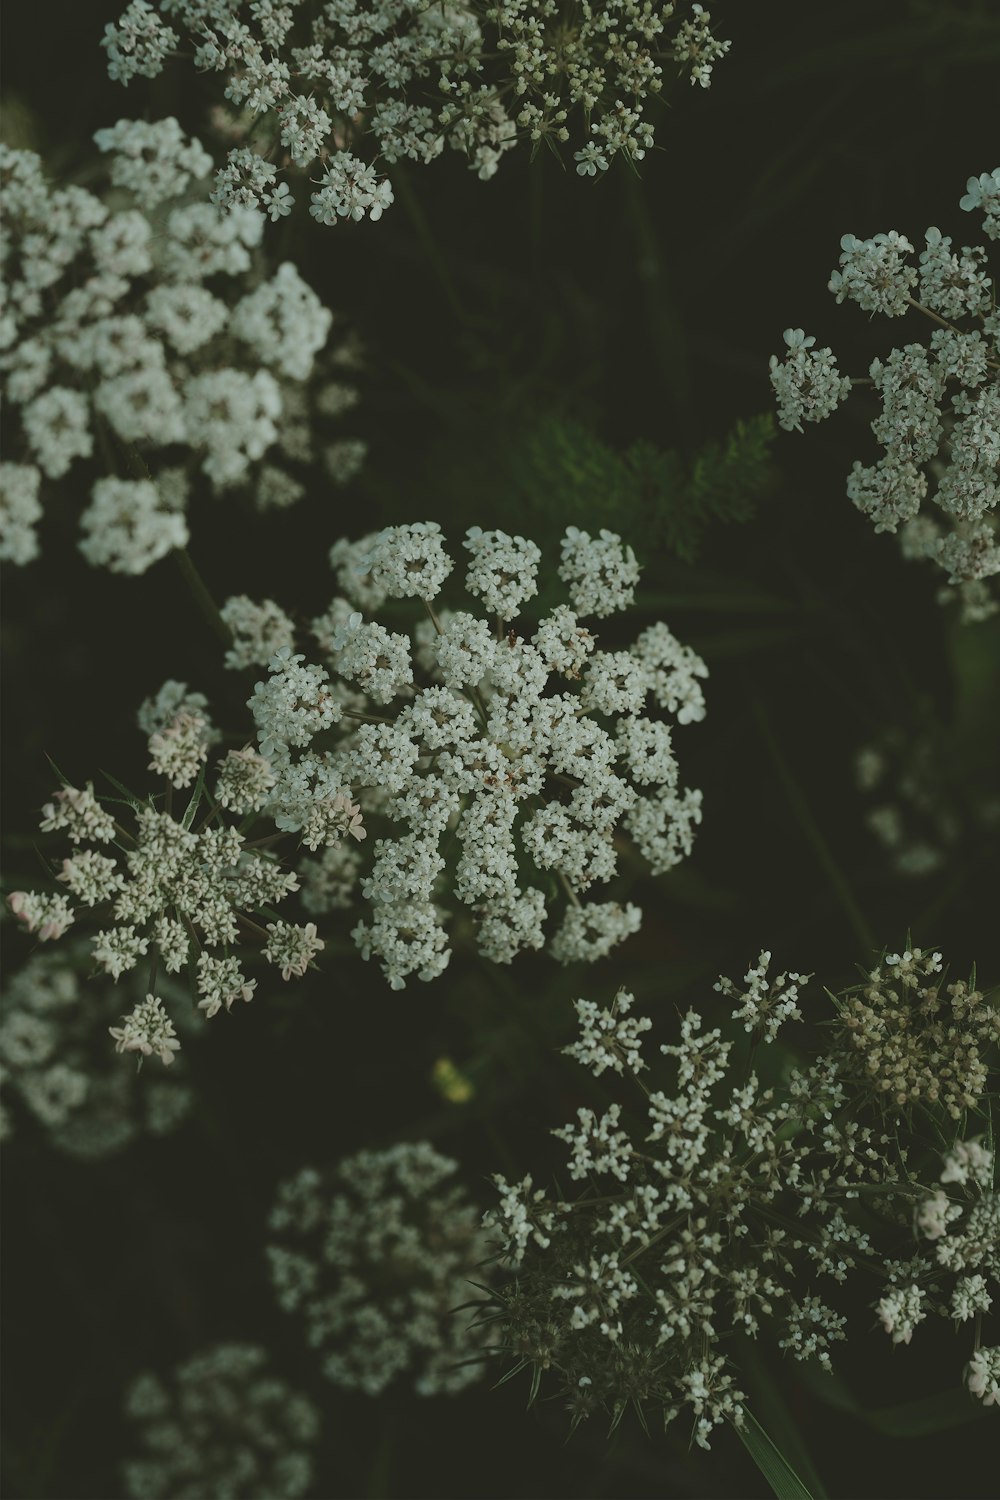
(814, 834)
(428, 244)
(209, 609)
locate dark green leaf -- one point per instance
(775, 1468)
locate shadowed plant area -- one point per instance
(499, 527)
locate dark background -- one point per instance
(644, 309)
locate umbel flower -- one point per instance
(58, 1067)
(502, 776)
(222, 1425)
(377, 1258)
(175, 891)
(911, 1038)
(363, 83)
(141, 336)
(939, 422)
(710, 1205)
(499, 764)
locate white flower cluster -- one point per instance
(911, 1038)
(764, 1005)
(939, 423)
(958, 1228)
(396, 80)
(183, 896)
(528, 753)
(55, 1061)
(718, 1207)
(376, 1256)
(138, 43)
(222, 1425)
(807, 383)
(133, 330)
(148, 1030)
(983, 1376)
(609, 1038)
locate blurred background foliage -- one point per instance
(540, 351)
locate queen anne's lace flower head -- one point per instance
(56, 1062)
(221, 1423)
(711, 1206)
(474, 752)
(480, 768)
(353, 85)
(172, 890)
(911, 1037)
(939, 423)
(376, 1256)
(132, 328)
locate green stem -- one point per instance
(182, 561)
(666, 334)
(428, 244)
(814, 835)
(139, 469)
(574, 898)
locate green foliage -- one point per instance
(771, 1462)
(568, 474)
(783, 1430)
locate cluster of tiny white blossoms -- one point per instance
(222, 1425)
(527, 751)
(957, 1262)
(765, 1004)
(911, 1038)
(720, 1207)
(367, 83)
(939, 422)
(179, 896)
(56, 1063)
(141, 338)
(376, 1257)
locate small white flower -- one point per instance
(278, 202)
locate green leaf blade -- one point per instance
(771, 1462)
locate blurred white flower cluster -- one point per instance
(480, 754)
(56, 1063)
(221, 1425)
(720, 1206)
(377, 1257)
(939, 423)
(925, 799)
(180, 896)
(399, 80)
(141, 336)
